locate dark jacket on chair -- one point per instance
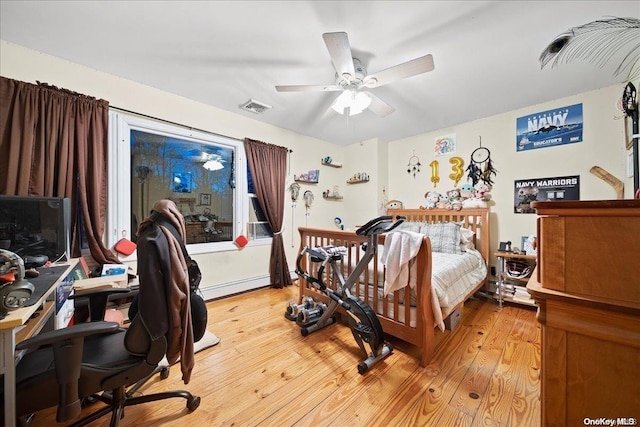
(164, 282)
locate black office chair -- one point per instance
(84, 360)
(87, 359)
(97, 303)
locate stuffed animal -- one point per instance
(474, 202)
(466, 191)
(481, 195)
(432, 199)
(482, 191)
(444, 202)
(394, 204)
(454, 199)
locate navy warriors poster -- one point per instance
(549, 128)
(527, 191)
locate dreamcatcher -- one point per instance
(308, 200)
(414, 165)
(294, 189)
(480, 167)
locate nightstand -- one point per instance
(510, 287)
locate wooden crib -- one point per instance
(412, 322)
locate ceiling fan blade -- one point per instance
(378, 106)
(340, 51)
(401, 71)
(308, 88)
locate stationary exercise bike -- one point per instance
(364, 323)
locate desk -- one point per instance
(10, 336)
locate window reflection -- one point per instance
(197, 176)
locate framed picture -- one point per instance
(628, 132)
(445, 145)
(205, 199)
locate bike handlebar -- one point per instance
(380, 225)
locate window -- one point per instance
(151, 160)
(258, 227)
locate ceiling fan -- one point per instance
(352, 79)
(210, 161)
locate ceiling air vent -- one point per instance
(255, 106)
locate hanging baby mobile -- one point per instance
(308, 200)
(294, 189)
(414, 165)
(480, 167)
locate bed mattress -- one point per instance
(453, 277)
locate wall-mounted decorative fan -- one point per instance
(352, 79)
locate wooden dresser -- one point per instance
(587, 288)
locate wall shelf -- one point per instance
(333, 197)
(310, 177)
(332, 164)
(358, 178)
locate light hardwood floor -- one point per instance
(264, 373)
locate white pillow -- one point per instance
(445, 237)
(466, 239)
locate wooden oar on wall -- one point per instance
(609, 179)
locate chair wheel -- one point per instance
(164, 373)
(193, 403)
(25, 421)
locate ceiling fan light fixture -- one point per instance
(356, 102)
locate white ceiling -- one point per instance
(223, 53)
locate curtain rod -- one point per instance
(124, 110)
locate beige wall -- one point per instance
(603, 145)
(219, 269)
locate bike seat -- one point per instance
(320, 254)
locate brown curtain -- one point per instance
(268, 167)
(54, 144)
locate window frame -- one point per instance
(119, 177)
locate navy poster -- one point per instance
(549, 128)
(558, 188)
